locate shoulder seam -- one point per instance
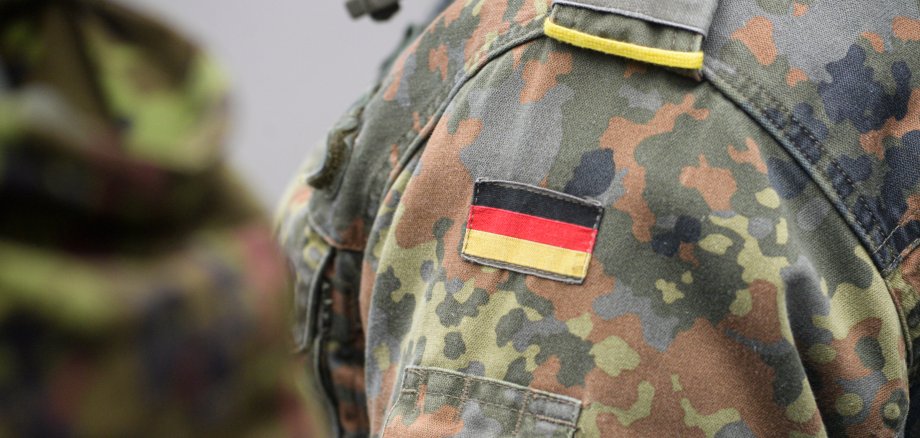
(749, 102)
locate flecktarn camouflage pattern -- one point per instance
(755, 270)
(140, 288)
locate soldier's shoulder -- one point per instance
(377, 137)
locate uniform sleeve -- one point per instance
(140, 288)
(327, 275)
(324, 223)
(665, 258)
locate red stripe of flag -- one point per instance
(532, 228)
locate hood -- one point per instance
(106, 119)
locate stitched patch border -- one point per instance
(531, 230)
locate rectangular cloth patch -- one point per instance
(531, 230)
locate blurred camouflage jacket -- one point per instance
(623, 218)
(139, 285)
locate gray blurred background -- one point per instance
(295, 65)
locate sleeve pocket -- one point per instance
(438, 402)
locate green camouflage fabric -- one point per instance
(755, 271)
(140, 287)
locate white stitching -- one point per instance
(386, 421)
(488, 403)
(421, 371)
(891, 234)
(524, 405)
(900, 257)
(752, 99)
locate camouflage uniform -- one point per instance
(140, 288)
(523, 230)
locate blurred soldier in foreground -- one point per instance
(623, 218)
(139, 285)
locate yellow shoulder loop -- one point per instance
(651, 55)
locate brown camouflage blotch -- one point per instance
(846, 364)
(355, 236)
(611, 424)
(600, 385)
(528, 12)
(623, 137)
(913, 210)
(744, 381)
(716, 185)
(741, 384)
(340, 303)
(420, 397)
(751, 155)
(906, 28)
(622, 393)
(442, 423)
(443, 177)
(349, 376)
(875, 40)
(393, 160)
(795, 76)
(368, 280)
(439, 61)
(686, 252)
(491, 22)
(545, 379)
(633, 68)
(395, 81)
(799, 9)
(762, 323)
(573, 300)
(872, 141)
(397, 71)
(453, 12)
(541, 77)
(627, 327)
(417, 124)
(757, 35)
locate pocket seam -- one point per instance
(529, 395)
(523, 412)
(389, 415)
(420, 371)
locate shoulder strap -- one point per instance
(693, 15)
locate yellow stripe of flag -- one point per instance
(553, 259)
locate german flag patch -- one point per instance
(531, 230)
